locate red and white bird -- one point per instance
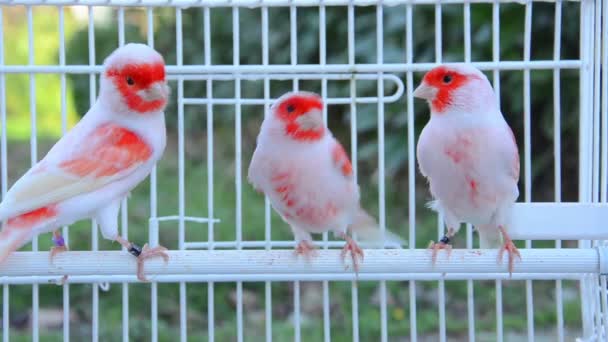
(469, 156)
(308, 177)
(93, 167)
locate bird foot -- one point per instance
(306, 249)
(56, 250)
(147, 253)
(142, 254)
(355, 252)
(444, 243)
(59, 245)
(63, 280)
(508, 246)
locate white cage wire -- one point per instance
(239, 261)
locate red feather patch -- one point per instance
(33, 217)
(114, 149)
(135, 77)
(341, 160)
(437, 78)
(294, 107)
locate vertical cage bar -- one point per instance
(152, 222)
(4, 172)
(121, 25)
(528, 158)
(438, 34)
(33, 154)
(496, 84)
(596, 102)
(440, 223)
(441, 294)
(381, 164)
(600, 328)
(604, 149)
(293, 60)
(411, 163)
(183, 309)
(585, 146)
(604, 119)
(322, 62)
(236, 44)
(470, 286)
(559, 306)
(63, 110)
(94, 238)
(604, 304)
(33, 114)
(124, 222)
(5, 314)
(353, 142)
(210, 204)
(293, 43)
(267, 212)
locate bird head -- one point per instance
(456, 87)
(133, 79)
(300, 115)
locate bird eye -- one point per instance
(130, 80)
(447, 78)
(290, 108)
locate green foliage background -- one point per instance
(106, 40)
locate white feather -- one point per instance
(481, 188)
(315, 179)
(76, 197)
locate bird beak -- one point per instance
(311, 120)
(157, 91)
(424, 91)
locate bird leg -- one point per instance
(444, 243)
(508, 246)
(59, 244)
(305, 248)
(355, 251)
(59, 247)
(142, 254)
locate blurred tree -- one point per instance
(48, 88)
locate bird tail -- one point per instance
(367, 230)
(11, 239)
(489, 236)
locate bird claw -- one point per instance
(63, 280)
(306, 249)
(147, 253)
(355, 252)
(59, 245)
(56, 250)
(508, 246)
(435, 247)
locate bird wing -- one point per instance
(514, 167)
(258, 167)
(108, 153)
(341, 161)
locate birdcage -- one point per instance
(231, 273)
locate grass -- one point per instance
(398, 312)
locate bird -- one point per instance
(308, 178)
(95, 165)
(469, 156)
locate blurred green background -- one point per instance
(49, 117)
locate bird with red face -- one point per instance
(308, 177)
(469, 156)
(88, 172)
